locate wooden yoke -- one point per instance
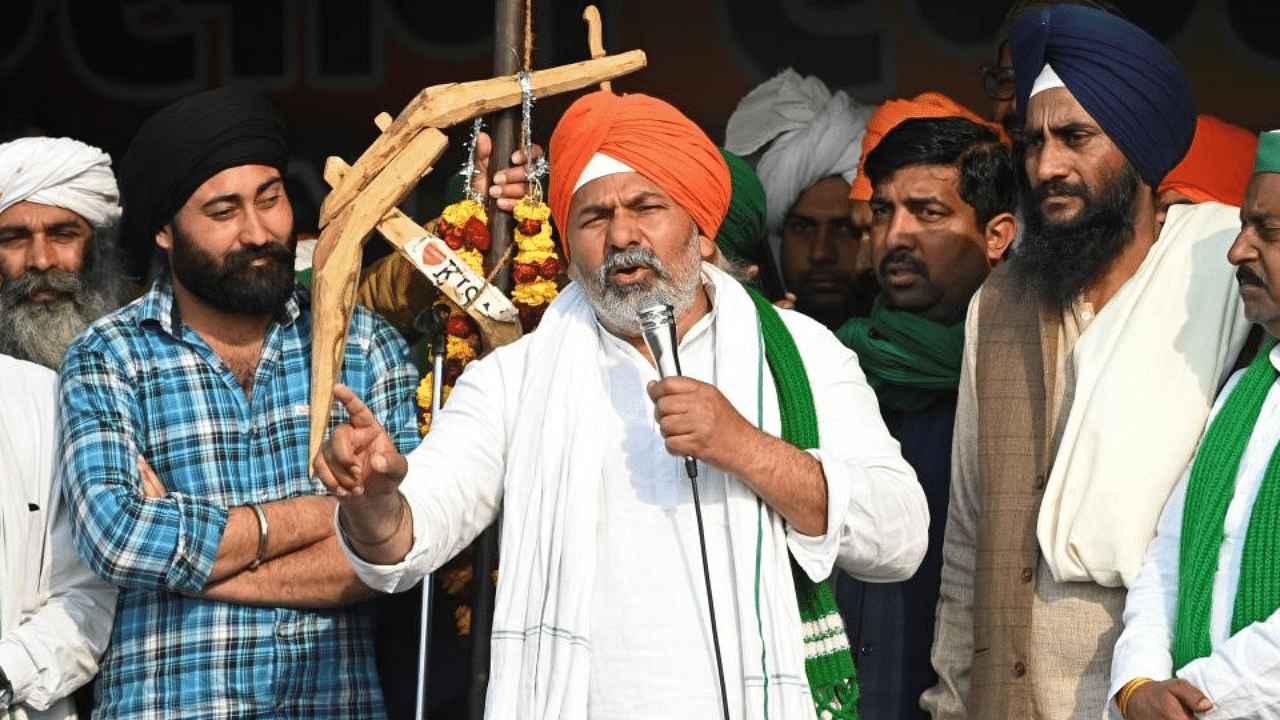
(365, 196)
(595, 38)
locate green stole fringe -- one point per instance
(832, 676)
(1209, 492)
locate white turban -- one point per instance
(815, 134)
(60, 172)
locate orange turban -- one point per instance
(1218, 165)
(649, 136)
(894, 112)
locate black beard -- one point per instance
(233, 285)
(1059, 261)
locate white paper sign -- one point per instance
(455, 278)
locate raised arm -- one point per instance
(360, 464)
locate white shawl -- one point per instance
(1147, 370)
(541, 631)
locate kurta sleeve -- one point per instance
(454, 484)
(57, 613)
(877, 517)
(953, 633)
(55, 649)
(1151, 606)
(1242, 674)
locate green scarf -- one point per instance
(1209, 492)
(910, 360)
(829, 666)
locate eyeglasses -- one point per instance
(997, 81)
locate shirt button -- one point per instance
(1019, 669)
(866, 649)
(1027, 574)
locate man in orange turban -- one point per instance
(894, 112)
(602, 609)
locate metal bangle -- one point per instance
(264, 534)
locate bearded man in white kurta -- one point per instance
(601, 609)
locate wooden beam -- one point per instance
(443, 106)
(400, 230)
(336, 268)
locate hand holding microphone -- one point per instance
(658, 325)
(696, 418)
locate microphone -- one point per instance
(658, 326)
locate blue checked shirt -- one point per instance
(140, 381)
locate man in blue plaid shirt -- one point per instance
(184, 439)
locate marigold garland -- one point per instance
(464, 227)
(536, 267)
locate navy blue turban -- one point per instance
(184, 144)
(1127, 80)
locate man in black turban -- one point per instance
(1092, 360)
(184, 423)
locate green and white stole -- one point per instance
(827, 661)
(1209, 492)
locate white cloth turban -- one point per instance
(60, 172)
(814, 134)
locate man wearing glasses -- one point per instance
(997, 80)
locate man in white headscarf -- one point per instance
(806, 143)
(58, 210)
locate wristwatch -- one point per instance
(6, 690)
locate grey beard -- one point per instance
(617, 306)
(41, 332)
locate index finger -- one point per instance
(360, 414)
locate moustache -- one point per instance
(902, 257)
(1060, 188)
(631, 257)
(1245, 276)
(240, 260)
(59, 282)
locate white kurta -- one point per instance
(1242, 674)
(648, 651)
(55, 614)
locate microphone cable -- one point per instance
(658, 326)
(691, 468)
